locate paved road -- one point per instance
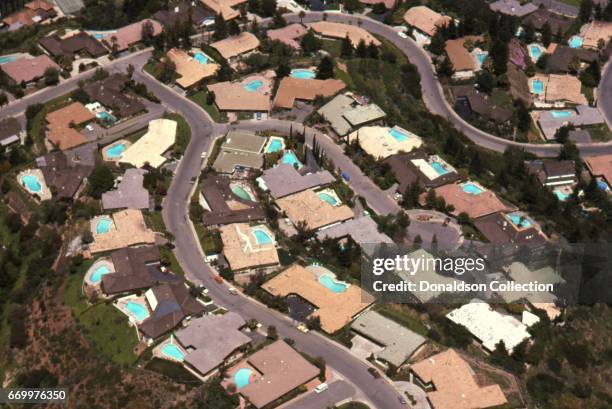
(433, 95)
(337, 392)
(604, 94)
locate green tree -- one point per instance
(546, 34)
(325, 69)
(379, 8)
(542, 62)
(361, 51)
(445, 68)
(586, 10)
(437, 44)
(283, 70)
(220, 28)
(499, 55)
(485, 81)
(51, 76)
(346, 49)
(272, 333)
(3, 99)
(591, 76)
(100, 180)
(310, 43)
(373, 51)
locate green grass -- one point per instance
(502, 98)
(575, 3)
(183, 133)
(600, 133)
(588, 93)
(200, 99)
(353, 405)
(167, 254)
(332, 46)
(155, 221)
(409, 321)
(105, 328)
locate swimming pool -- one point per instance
(516, 220)
(561, 196)
(261, 236)
(137, 310)
(253, 86)
(561, 114)
(329, 282)
(290, 159)
(96, 275)
(201, 58)
(537, 87)
(603, 185)
(439, 168)
(535, 51)
(103, 226)
(303, 74)
(7, 58)
(275, 145)
(31, 183)
(472, 189)
(397, 135)
(575, 42)
(242, 377)
(481, 57)
(106, 117)
(174, 352)
(327, 198)
(241, 192)
(115, 151)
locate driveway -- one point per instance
(337, 392)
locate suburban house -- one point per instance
(130, 35)
(362, 230)
(28, 69)
(212, 340)
(479, 103)
(288, 35)
(224, 8)
(34, 12)
(558, 90)
(345, 113)
(233, 47)
(292, 89)
(61, 126)
(110, 92)
(284, 180)
(128, 228)
(552, 172)
(563, 58)
(312, 211)
(425, 21)
(549, 122)
(191, 71)
(340, 31)
(150, 148)
(596, 33)
(248, 246)
(64, 176)
(429, 171)
(223, 206)
(130, 192)
(514, 8)
(469, 198)
(451, 383)
(464, 63)
(539, 18)
(240, 150)
(11, 133)
(235, 97)
(398, 342)
(74, 44)
(182, 12)
(383, 141)
(600, 167)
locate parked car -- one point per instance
(218, 279)
(402, 34)
(233, 291)
(322, 387)
(303, 328)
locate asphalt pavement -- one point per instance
(336, 392)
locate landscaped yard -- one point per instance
(183, 133)
(200, 99)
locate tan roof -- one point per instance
(338, 30)
(291, 89)
(39, 4)
(131, 34)
(280, 369)
(307, 207)
(225, 8)
(379, 142)
(593, 32)
(288, 34)
(190, 70)
(232, 96)
(562, 88)
(241, 249)
(334, 309)
(459, 56)
(149, 148)
(425, 19)
(600, 166)
(129, 229)
(59, 131)
(475, 206)
(28, 69)
(236, 45)
(455, 383)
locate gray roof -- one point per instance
(244, 141)
(210, 339)
(399, 341)
(363, 230)
(344, 113)
(284, 180)
(130, 192)
(585, 115)
(227, 161)
(513, 8)
(364, 114)
(559, 7)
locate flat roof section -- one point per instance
(242, 249)
(341, 31)
(382, 141)
(190, 70)
(234, 46)
(59, 125)
(130, 229)
(291, 89)
(233, 96)
(306, 207)
(152, 145)
(130, 192)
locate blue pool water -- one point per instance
(561, 114)
(535, 52)
(8, 58)
(603, 185)
(481, 57)
(290, 158)
(241, 377)
(137, 310)
(97, 274)
(561, 196)
(326, 197)
(397, 135)
(537, 87)
(32, 183)
(98, 36)
(261, 236)
(241, 193)
(103, 226)
(115, 151)
(472, 189)
(303, 74)
(516, 220)
(106, 117)
(439, 168)
(172, 351)
(575, 42)
(201, 58)
(253, 85)
(275, 145)
(332, 284)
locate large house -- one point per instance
(425, 21)
(34, 12)
(27, 69)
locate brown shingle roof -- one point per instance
(341, 31)
(82, 41)
(475, 206)
(231, 96)
(28, 69)
(63, 175)
(556, 22)
(600, 166)
(131, 34)
(109, 92)
(459, 56)
(499, 230)
(59, 131)
(234, 46)
(291, 89)
(425, 19)
(288, 35)
(217, 193)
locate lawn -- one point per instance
(105, 328)
(353, 405)
(168, 255)
(200, 99)
(332, 46)
(600, 133)
(502, 98)
(404, 316)
(183, 133)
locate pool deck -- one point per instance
(378, 142)
(241, 250)
(157, 351)
(45, 192)
(120, 304)
(105, 261)
(130, 229)
(107, 147)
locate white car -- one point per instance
(89, 128)
(302, 328)
(402, 34)
(203, 155)
(322, 387)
